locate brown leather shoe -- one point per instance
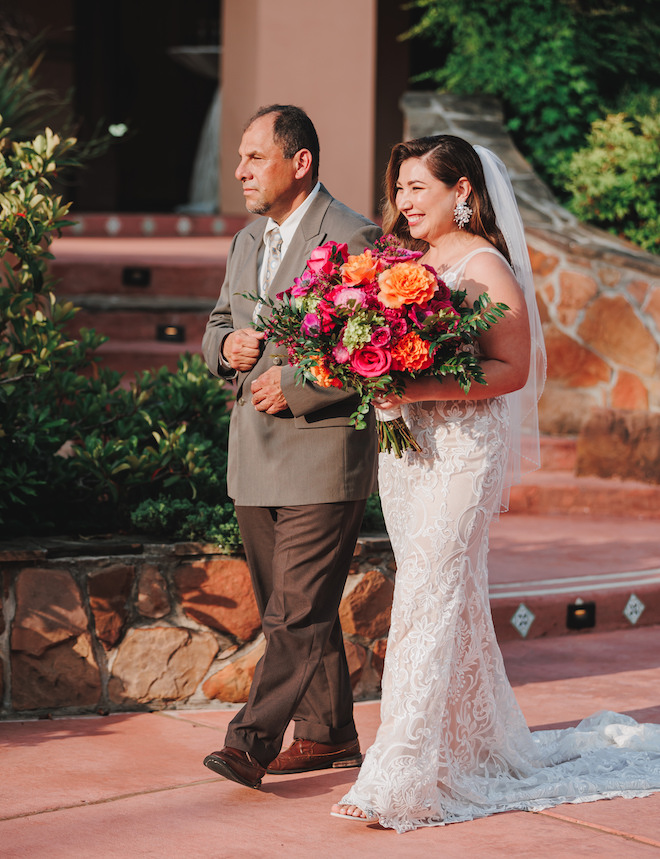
(305, 755)
(235, 765)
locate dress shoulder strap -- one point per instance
(454, 274)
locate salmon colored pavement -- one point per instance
(133, 785)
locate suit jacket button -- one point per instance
(241, 401)
(277, 360)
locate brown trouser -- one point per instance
(298, 558)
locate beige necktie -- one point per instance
(272, 264)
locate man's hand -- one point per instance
(241, 348)
(267, 393)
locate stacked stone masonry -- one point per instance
(137, 626)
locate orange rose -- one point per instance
(406, 283)
(411, 353)
(359, 269)
(322, 375)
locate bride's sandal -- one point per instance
(361, 817)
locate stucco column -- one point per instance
(319, 56)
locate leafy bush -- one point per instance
(557, 65)
(373, 521)
(186, 520)
(615, 179)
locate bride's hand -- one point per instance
(388, 401)
(424, 388)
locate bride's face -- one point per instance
(426, 202)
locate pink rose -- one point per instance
(370, 361)
(327, 258)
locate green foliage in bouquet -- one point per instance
(615, 179)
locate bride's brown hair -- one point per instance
(447, 158)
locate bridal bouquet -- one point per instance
(372, 321)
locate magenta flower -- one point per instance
(301, 286)
(381, 336)
(393, 253)
(311, 325)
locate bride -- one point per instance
(453, 744)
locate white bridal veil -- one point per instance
(524, 447)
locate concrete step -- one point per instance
(576, 605)
(558, 453)
(134, 356)
(562, 492)
(143, 318)
(543, 567)
(140, 266)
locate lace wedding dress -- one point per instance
(453, 744)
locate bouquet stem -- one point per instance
(394, 436)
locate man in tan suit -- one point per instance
(298, 472)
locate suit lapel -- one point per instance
(308, 236)
(248, 280)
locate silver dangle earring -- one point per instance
(462, 214)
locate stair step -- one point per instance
(535, 609)
(558, 453)
(562, 492)
(146, 267)
(125, 324)
(173, 278)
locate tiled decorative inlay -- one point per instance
(634, 608)
(523, 619)
(113, 226)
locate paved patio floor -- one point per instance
(133, 784)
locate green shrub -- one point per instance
(182, 519)
(94, 451)
(557, 65)
(615, 179)
(373, 522)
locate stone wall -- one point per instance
(599, 297)
(124, 625)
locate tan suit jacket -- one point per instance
(309, 453)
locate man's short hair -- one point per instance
(293, 130)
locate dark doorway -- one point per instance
(124, 73)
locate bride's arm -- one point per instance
(505, 347)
